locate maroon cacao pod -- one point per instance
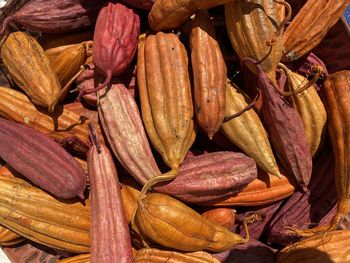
(41, 160)
(51, 16)
(142, 4)
(115, 40)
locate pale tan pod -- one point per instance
(31, 69)
(310, 108)
(247, 131)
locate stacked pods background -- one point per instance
(170, 130)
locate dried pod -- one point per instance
(165, 94)
(38, 216)
(51, 16)
(310, 25)
(246, 131)
(109, 231)
(209, 74)
(48, 41)
(210, 177)
(142, 4)
(82, 258)
(306, 210)
(267, 189)
(159, 215)
(153, 255)
(130, 192)
(168, 14)
(310, 108)
(8, 237)
(336, 97)
(115, 40)
(251, 25)
(223, 216)
(75, 49)
(41, 160)
(334, 247)
(65, 126)
(122, 124)
(30, 69)
(285, 128)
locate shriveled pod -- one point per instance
(172, 224)
(82, 258)
(109, 231)
(51, 16)
(333, 247)
(153, 255)
(130, 192)
(54, 52)
(267, 189)
(65, 126)
(122, 124)
(8, 237)
(209, 74)
(115, 40)
(165, 94)
(251, 25)
(30, 69)
(310, 25)
(223, 216)
(247, 131)
(48, 41)
(38, 216)
(169, 14)
(310, 108)
(41, 160)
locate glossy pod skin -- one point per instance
(46, 163)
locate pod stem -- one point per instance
(94, 137)
(102, 85)
(249, 219)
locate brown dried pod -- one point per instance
(109, 231)
(38, 216)
(310, 108)
(30, 69)
(130, 193)
(53, 53)
(251, 25)
(51, 16)
(115, 40)
(41, 160)
(333, 247)
(247, 131)
(159, 216)
(122, 124)
(165, 94)
(82, 258)
(169, 14)
(310, 25)
(153, 255)
(8, 237)
(267, 189)
(65, 126)
(209, 74)
(223, 216)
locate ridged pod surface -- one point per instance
(165, 94)
(310, 25)
(62, 125)
(266, 189)
(336, 97)
(210, 177)
(51, 16)
(250, 25)
(49, 41)
(109, 231)
(115, 40)
(38, 216)
(8, 237)
(153, 255)
(310, 108)
(172, 224)
(334, 247)
(169, 14)
(209, 74)
(31, 69)
(247, 131)
(122, 124)
(41, 160)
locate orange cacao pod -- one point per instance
(8, 237)
(222, 216)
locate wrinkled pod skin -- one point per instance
(115, 40)
(209, 74)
